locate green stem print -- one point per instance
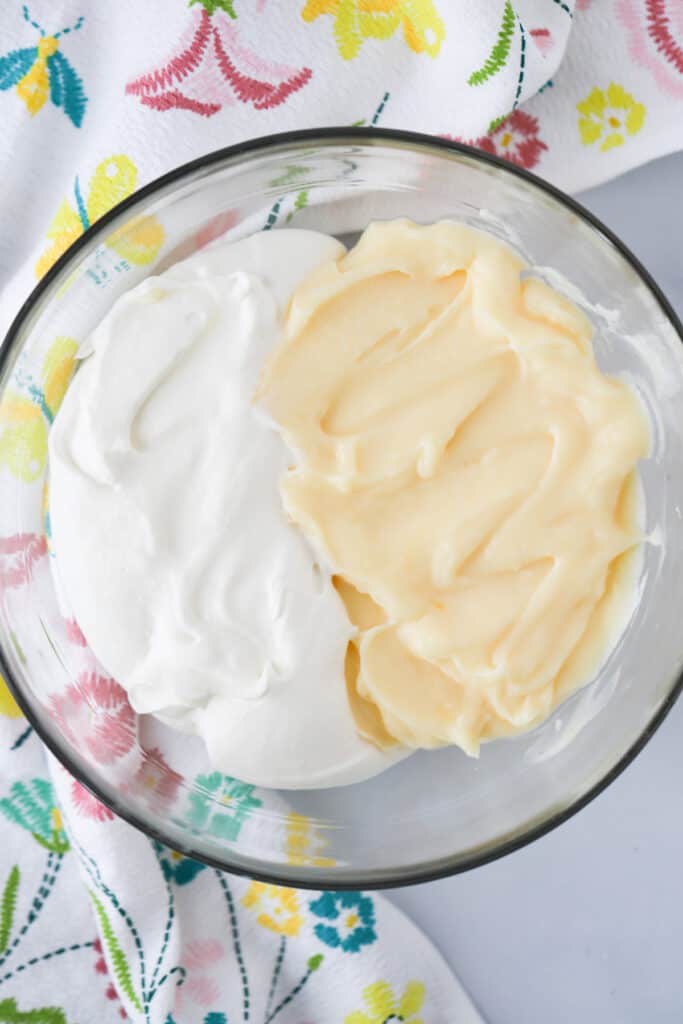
(179, 970)
(170, 916)
(282, 948)
(237, 945)
(45, 886)
(147, 994)
(44, 957)
(522, 65)
(565, 7)
(300, 203)
(501, 49)
(378, 113)
(55, 843)
(289, 175)
(22, 738)
(376, 116)
(273, 215)
(8, 905)
(314, 963)
(116, 954)
(95, 876)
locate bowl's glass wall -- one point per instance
(435, 810)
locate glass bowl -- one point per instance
(437, 812)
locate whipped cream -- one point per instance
(172, 546)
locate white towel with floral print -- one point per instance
(99, 924)
(132, 90)
(98, 99)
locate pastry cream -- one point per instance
(467, 469)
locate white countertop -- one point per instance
(586, 924)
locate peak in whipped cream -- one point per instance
(322, 507)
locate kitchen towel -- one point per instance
(97, 922)
(100, 924)
(98, 99)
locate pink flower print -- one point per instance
(101, 968)
(216, 227)
(212, 229)
(543, 39)
(654, 31)
(201, 953)
(95, 716)
(198, 958)
(18, 555)
(87, 805)
(155, 775)
(212, 69)
(515, 138)
(583, 5)
(74, 634)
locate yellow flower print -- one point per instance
(8, 706)
(303, 845)
(277, 909)
(358, 20)
(23, 437)
(382, 1005)
(58, 369)
(115, 178)
(608, 116)
(34, 87)
(138, 241)
(24, 419)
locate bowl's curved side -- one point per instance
(323, 876)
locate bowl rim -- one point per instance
(331, 878)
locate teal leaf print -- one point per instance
(15, 65)
(215, 1018)
(32, 806)
(9, 1014)
(501, 49)
(177, 868)
(8, 905)
(300, 203)
(116, 954)
(289, 175)
(66, 88)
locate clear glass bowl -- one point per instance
(437, 812)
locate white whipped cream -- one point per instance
(171, 543)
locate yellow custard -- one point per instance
(467, 470)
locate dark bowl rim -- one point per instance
(376, 878)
